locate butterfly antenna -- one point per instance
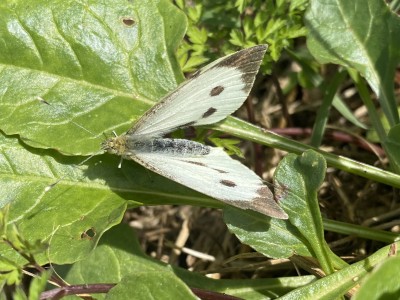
(85, 160)
(43, 101)
(56, 279)
(85, 129)
(73, 122)
(49, 187)
(120, 163)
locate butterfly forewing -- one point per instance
(209, 96)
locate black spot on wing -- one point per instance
(209, 112)
(220, 171)
(228, 183)
(216, 90)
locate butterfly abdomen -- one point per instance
(168, 147)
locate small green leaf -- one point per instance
(298, 4)
(273, 26)
(150, 285)
(271, 237)
(197, 35)
(38, 285)
(237, 38)
(297, 180)
(261, 18)
(193, 63)
(21, 244)
(180, 4)
(248, 27)
(296, 32)
(10, 272)
(241, 5)
(194, 12)
(229, 145)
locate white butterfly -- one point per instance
(212, 94)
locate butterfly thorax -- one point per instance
(115, 145)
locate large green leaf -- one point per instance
(119, 255)
(88, 200)
(99, 64)
(119, 260)
(71, 217)
(360, 34)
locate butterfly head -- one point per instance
(115, 145)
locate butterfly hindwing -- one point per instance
(215, 174)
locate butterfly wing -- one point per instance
(217, 175)
(209, 96)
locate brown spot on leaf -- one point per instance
(128, 21)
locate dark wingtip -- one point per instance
(268, 207)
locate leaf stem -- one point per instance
(242, 129)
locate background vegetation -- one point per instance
(70, 71)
